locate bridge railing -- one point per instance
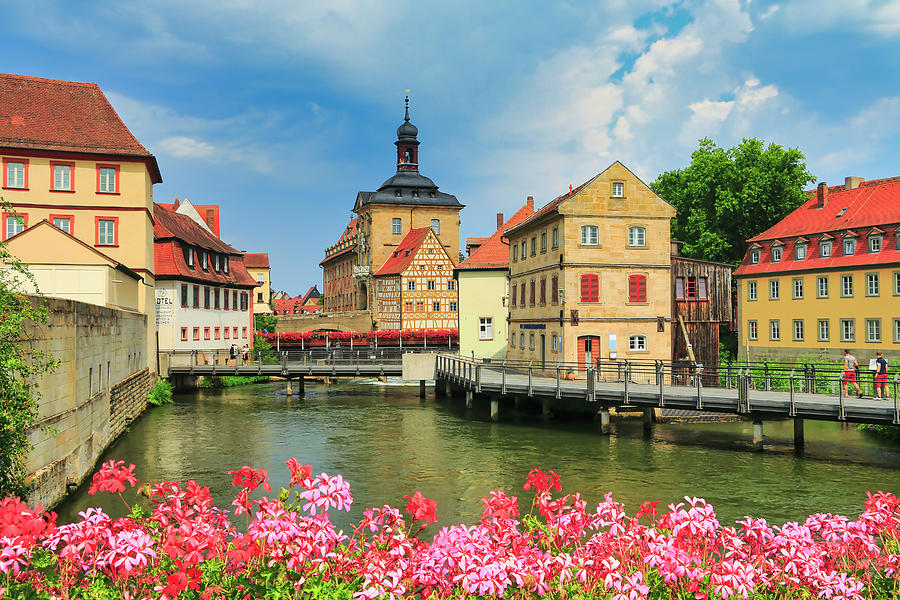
(317, 356)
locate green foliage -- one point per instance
(725, 196)
(161, 393)
(227, 381)
(262, 350)
(21, 367)
(265, 322)
(890, 432)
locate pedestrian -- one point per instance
(232, 353)
(881, 376)
(245, 351)
(851, 367)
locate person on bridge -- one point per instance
(881, 376)
(850, 369)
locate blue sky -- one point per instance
(280, 111)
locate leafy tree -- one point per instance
(265, 322)
(21, 367)
(726, 196)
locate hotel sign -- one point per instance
(165, 306)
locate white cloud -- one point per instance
(181, 146)
(706, 120)
(878, 16)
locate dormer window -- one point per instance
(754, 257)
(415, 193)
(800, 251)
(776, 254)
(225, 264)
(216, 263)
(875, 243)
(824, 249)
(398, 193)
(204, 260)
(188, 253)
(849, 247)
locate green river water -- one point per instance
(387, 443)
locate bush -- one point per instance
(265, 322)
(161, 393)
(227, 381)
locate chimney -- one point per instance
(676, 247)
(821, 195)
(176, 203)
(499, 220)
(851, 183)
(530, 202)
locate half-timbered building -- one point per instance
(415, 289)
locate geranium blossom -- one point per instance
(112, 477)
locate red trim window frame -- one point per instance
(24, 161)
(206, 333)
(108, 166)
(590, 288)
(244, 332)
(185, 300)
(216, 332)
(71, 219)
(115, 221)
(554, 289)
(196, 334)
(196, 297)
(543, 291)
(234, 332)
(6, 216)
(207, 293)
(62, 163)
(227, 332)
(512, 301)
(637, 288)
(184, 337)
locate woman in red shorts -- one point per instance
(881, 376)
(849, 376)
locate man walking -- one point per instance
(881, 376)
(850, 367)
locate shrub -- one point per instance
(226, 381)
(161, 393)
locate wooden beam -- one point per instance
(687, 340)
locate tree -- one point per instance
(725, 196)
(265, 322)
(21, 366)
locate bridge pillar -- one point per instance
(438, 389)
(517, 402)
(448, 391)
(545, 407)
(799, 441)
(604, 421)
(648, 418)
(301, 385)
(495, 409)
(469, 398)
(757, 435)
(421, 389)
(287, 389)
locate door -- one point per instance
(543, 351)
(588, 351)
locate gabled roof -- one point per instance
(494, 251)
(311, 294)
(64, 116)
(169, 224)
(256, 260)
(873, 203)
(208, 213)
(405, 252)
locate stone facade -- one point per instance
(358, 320)
(100, 385)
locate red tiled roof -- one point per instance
(295, 306)
(170, 224)
(475, 241)
(64, 116)
(494, 252)
(405, 252)
(348, 234)
(349, 231)
(259, 260)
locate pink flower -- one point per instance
(325, 492)
(421, 508)
(112, 477)
(300, 474)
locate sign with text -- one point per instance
(165, 306)
(532, 326)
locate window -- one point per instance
(543, 291)
(846, 286)
(107, 231)
(512, 302)
(897, 283)
(206, 297)
(234, 333)
(13, 224)
(590, 235)
(554, 343)
(822, 286)
(543, 241)
(196, 334)
(798, 288)
(407, 306)
(217, 294)
(773, 289)
(196, 302)
(896, 331)
(702, 292)
(436, 226)
(873, 330)
(679, 288)
(691, 292)
(420, 306)
(62, 176)
(204, 260)
(216, 263)
(258, 297)
(637, 237)
(515, 252)
(776, 254)
(754, 257)
(436, 306)
(107, 179)
(184, 295)
(522, 296)
(751, 290)
(395, 226)
(849, 247)
(524, 249)
(216, 334)
(485, 328)
(531, 341)
(554, 289)
(800, 251)
(451, 284)
(452, 307)
(798, 330)
(555, 237)
(512, 340)
(847, 330)
(244, 332)
(824, 249)
(637, 343)
(590, 288)
(875, 243)
(531, 292)
(822, 330)
(15, 174)
(637, 288)
(430, 284)
(872, 285)
(533, 246)
(225, 263)
(62, 222)
(411, 285)
(225, 295)
(184, 334)
(618, 189)
(188, 254)
(234, 302)
(522, 341)
(752, 330)
(245, 301)
(774, 329)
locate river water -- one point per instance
(387, 443)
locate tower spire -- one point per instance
(406, 118)
(407, 144)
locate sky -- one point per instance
(281, 111)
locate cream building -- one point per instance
(590, 275)
(257, 265)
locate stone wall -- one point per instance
(100, 385)
(357, 320)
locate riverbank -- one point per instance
(227, 381)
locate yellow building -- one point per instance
(406, 201)
(590, 275)
(68, 159)
(826, 277)
(483, 281)
(415, 289)
(257, 265)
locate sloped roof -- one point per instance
(872, 204)
(494, 251)
(554, 204)
(203, 211)
(256, 260)
(311, 294)
(64, 116)
(169, 224)
(405, 252)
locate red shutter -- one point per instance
(585, 291)
(637, 288)
(595, 349)
(554, 290)
(531, 295)
(581, 353)
(590, 288)
(513, 302)
(543, 291)
(522, 298)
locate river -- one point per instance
(387, 443)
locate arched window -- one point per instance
(637, 288)
(590, 288)
(590, 235)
